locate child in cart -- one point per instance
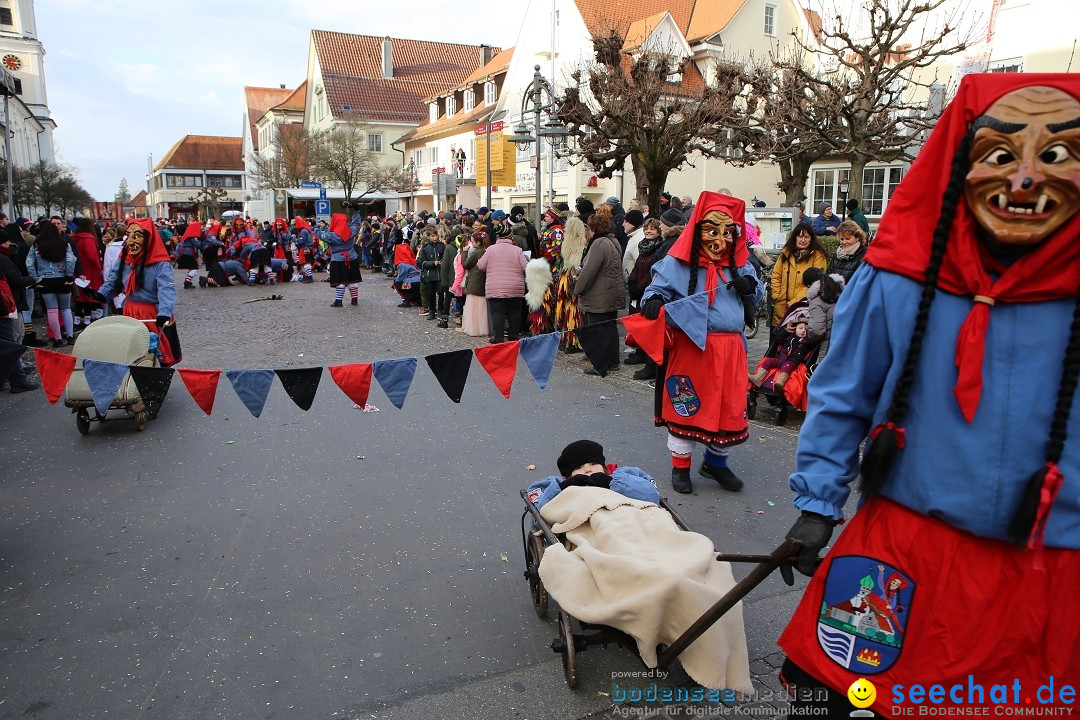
(582, 463)
(790, 348)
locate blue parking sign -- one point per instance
(322, 207)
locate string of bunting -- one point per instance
(394, 376)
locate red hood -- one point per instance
(194, 230)
(339, 225)
(707, 202)
(155, 249)
(301, 223)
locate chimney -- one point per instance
(282, 86)
(387, 58)
(486, 50)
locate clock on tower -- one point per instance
(11, 62)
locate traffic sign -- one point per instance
(322, 207)
(311, 185)
(322, 193)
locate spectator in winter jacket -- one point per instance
(802, 251)
(601, 287)
(429, 260)
(850, 252)
(447, 273)
(854, 212)
(826, 221)
(618, 215)
(822, 292)
(504, 264)
(632, 222)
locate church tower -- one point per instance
(24, 56)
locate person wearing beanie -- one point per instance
(672, 218)
(632, 226)
(855, 213)
(701, 393)
(585, 208)
(582, 464)
(826, 221)
(954, 360)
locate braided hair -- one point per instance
(695, 250)
(887, 438)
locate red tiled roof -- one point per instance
(697, 19)
(352, 73)
(814, 19)
(458, 121)
(296, 101)
(496, 65)
(258, 100)
(204, 152)
(139, 200)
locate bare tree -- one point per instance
(289, 164)
(45, 181)
(71, 196)
(341, 156)
(637, 107)
(876, 76)
(207, 201)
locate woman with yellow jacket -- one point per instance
(801, 252)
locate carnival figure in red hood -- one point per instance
(701, 286)
(304, 239)
(344, 262)
(954, 356)
(145, 276)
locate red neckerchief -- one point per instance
(706, 203)
(903, 240)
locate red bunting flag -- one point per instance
(354, 380)
(648, 334)
(500, 361)
(55, 370)
(202, 384)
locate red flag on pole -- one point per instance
(354, 380)
(202, 384)
(500, 361)
(55, 370)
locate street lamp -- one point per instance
(538, 101)
(843, 201)
(7, 87)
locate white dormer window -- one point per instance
(490, 94)
(770, 20)
(451, 106)
(470, 100)
(433, 112)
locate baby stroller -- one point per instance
(790, 394)
(537, 535)
(116, 339)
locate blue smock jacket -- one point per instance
(157, 288)
(968, 475)
(629, 481)
(340, 250)
(670, 278)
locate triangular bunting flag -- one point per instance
(104, 379)
(9, 354)
(252, 387)
(395, 378)
(594, 343)
(451, 370)
(202, 385)
(55, 370)
(691, 315)
(648, 334)
(354, 380)
(539, 352)
(301, 385)
(500, 361)
(153, 384)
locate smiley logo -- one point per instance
(862, 693)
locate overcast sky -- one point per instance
(128, 78)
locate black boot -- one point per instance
(30, 339)
(680, 480)
(727, 479)
(648, 372)
(638, 357)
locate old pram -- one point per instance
(537, 535)
(115, 339)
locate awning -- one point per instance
(334, 194)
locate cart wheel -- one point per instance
(569, 656)
(781, 415)
(751, 407)
(535, 552)
(82, 421)
(140, 420)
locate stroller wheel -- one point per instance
(140, 420)
(751, 405)
(781, 415)
(566, 649)
(534, 553)
(82, 421)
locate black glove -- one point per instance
(813, 531)
(161, 320)
(651, 307)
(96, 295)
(744, 284)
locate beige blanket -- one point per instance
(632, 568)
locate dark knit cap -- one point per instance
(562, 207)
(672, 217)
(635, 218)
(578, 453)
(584, 205)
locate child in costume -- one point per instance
(786, 353)
(582, 463)
(344, 263)
(948, 359)
(701, 395)
(304, 248)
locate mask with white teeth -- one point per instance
(1024, 180)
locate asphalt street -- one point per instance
(333, 563)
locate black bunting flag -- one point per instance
(301, 384)
(451, 369)
(153, 384)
